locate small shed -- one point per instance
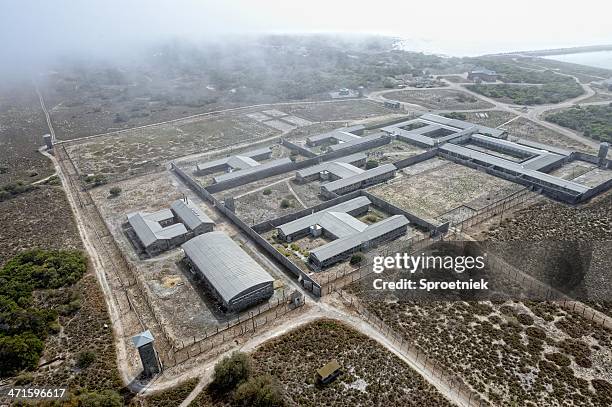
(329, 372)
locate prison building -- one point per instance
(264, 170)
(168, 228)
(363, 142)
(343, 167)
(235, 162)
(306, 225)
(482, 74)
(341, 135)
(359, 181)
(228, 272)
(519, 172)
(329, 372)
(363, 237)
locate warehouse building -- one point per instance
(230, 274)
(359, 143)
(165, 229)
(235, 162)
(349, 234)
(358, 181)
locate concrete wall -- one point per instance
(406, 162)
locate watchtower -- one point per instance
(48, 141)
(144, 342)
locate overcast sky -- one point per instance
(41, 29)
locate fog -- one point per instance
(34, 34)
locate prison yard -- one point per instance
(203, 224)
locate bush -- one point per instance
(285, 203)
(85, 358)
(260, 391)
(371, 164)
(114, 192)
(106, 398)
(231, 371)
(356, 258)
(267, 191)
(24, 326)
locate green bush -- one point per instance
(114, 191)
(106, 398)
(231, 371)
(371, 164)
(9, 191)
(85, 358)
(285, 203)
(267, 191)
(356, 258)
(24, 326)
(260, 391)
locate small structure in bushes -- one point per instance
(329, 372)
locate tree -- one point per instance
(260, 391)
(231, 371)
(285, 203)
(114, 192)
(19, 352)
(85, 358)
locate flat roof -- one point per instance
(349, 242)
(374, 172)
(252, 170)
(305, 222)
(228, 268)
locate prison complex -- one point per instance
(168, 228)
(230, 274)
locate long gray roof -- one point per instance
(351, 241)
(339, 169)
(189, 214)
(289, 228)
(343, 134)
(150, 231)
(514, 167)
(357, 141)
(251, 170)
(374, 172)
(228, 268)
(230, 160)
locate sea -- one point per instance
(598, 59)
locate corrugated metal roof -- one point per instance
(229, 269)
(366, 175)
(343, 134)
(352, 241)
(145, 230)
(305, 222)
(340, 224)
(241, 161)
(189, 214)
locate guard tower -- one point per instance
(144, 342)
(48, 141)
(603, 153)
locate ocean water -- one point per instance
(599, 59)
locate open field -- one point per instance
(433, 193)
(371, 375)
(144, 150)
(439, 99)
(525, 128)
(346, 110)
(268, 203)
(512, 353)
(22, 124)
(40, 218)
